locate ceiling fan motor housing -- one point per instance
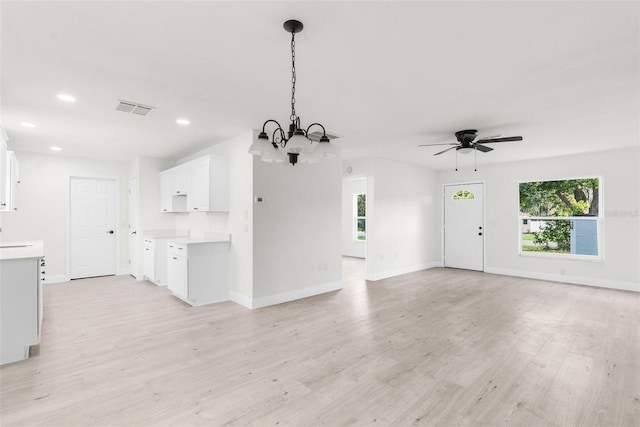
(466, 137)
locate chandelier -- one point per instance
(295, 142)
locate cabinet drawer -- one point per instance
(177, 249)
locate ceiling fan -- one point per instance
(467, 142)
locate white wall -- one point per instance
(296, 230)
(402, 232)
(350, 246)
(238, 221)
(43, 203)
(620, 190)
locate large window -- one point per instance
(360, 217)
(561, 217)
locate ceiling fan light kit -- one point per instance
(468, 142)
(294, 145)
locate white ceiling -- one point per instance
(386, 75)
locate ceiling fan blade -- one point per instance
(444, 151)
(506, 139)
(483, 148)
(433, 145)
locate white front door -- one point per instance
(134, 270)
(93, 227)
(464, 226)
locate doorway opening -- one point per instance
(354, 220)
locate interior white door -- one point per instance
(464, 226)
(93, 227)
(134, 269)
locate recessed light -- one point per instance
(182, 122)
(56, 148)
(28, 125)
(66, 98)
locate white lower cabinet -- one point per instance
(198, 273)
(20, 306)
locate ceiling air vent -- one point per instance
(315, 136)
(134, 108)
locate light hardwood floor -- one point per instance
(435, 347)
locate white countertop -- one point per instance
(207, 238)
(164, 234)
(23, 249)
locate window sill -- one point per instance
(570, 257)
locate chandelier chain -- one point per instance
(293, 78)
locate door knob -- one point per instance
(110, 232)
(479, 234)
(134, 232)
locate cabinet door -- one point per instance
(177, 275)
(179, 180)
(198, 185)
(14, 180)
(166, 191)
(149, 262)
(4, 176)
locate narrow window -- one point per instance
(561, 217)
(360, 217)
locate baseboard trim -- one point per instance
(243, 300)
(295, 295)
(61, 278)
(574, 280)
(397, 272)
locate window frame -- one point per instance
(599, 219)
(356, 218)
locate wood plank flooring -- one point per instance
(435, 347)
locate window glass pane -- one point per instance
(572, 197)
(361, 232)
(362, 205)
(564, 236)
(463, 195)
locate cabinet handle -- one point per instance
(179, 249)
(164, 210)
(174, 258)
(195, 209)
(178, 192)
(146, 249)
(42, 279)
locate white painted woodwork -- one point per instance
(464, 228)
(200, 185)
(10, 179)
(21, 307)
(4, 173)
(170, 202)
(208, 184)
(179, 181)
(198, 273)
(149, 259)
(133, 225)
(438, 347)
(92, 227)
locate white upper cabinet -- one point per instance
(208, 184)
(9, 176)
(169, 201)
(4, 175)
(201, 185)
(179, 180)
